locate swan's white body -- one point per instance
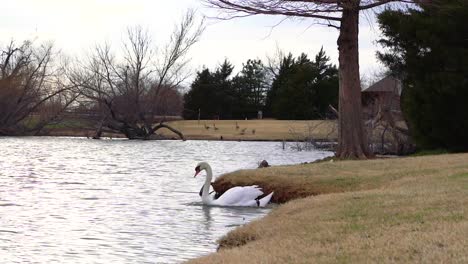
(236, 196)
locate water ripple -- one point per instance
(9, 204)
(73, 200)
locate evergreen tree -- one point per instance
(303, 89)
(224, 91)
(211, 94)
(251, 88)
(326, 84)
(285, 68)
(428, 49)
(200, 89)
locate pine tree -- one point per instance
(428, 48)
(303, 89)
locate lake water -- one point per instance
(75, 200)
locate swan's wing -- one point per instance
(201, 191)
(265, 200)
(240, 196)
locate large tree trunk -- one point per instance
(351, 136)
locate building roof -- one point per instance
(387, 84)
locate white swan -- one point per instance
(236, 196)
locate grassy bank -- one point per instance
(272, 130)
(254, 129)
(389, 210)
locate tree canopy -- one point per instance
(32, 92)
(303, 89)
(250, 89)
(128, 90)
(428, 48)
(210, 94)
(300, 89)
(344, 16)
(218, 95)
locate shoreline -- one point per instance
(322, 132)
(406, 208)
(87, 134)
(402, 209)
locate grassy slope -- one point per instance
(390, 210)
(263, 129)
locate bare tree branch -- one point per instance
(351, 134)
(30, 82)
(130, 91)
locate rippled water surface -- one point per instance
(74, 200)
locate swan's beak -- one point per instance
(197, 170)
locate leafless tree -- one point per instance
(386, 129)
(131, 91)
(32, 90)
(273, 63)
(306, 140)
(344, 16)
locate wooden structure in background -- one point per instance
(386, 128)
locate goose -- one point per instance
(236, 196)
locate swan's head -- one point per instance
(200, 166)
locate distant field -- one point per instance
(254, 129)
(222, 129)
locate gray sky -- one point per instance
(77, 25)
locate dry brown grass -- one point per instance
(228, 130)
(401, 210)
(253, 129)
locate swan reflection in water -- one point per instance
(207, 216)
(238, 216)
(130, 202)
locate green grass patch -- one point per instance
(463, 176)
(430, 152)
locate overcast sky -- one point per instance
(76, 25)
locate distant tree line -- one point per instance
(293, 88)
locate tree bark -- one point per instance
(98, 133)
(351, 135)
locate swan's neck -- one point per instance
(206, 186)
